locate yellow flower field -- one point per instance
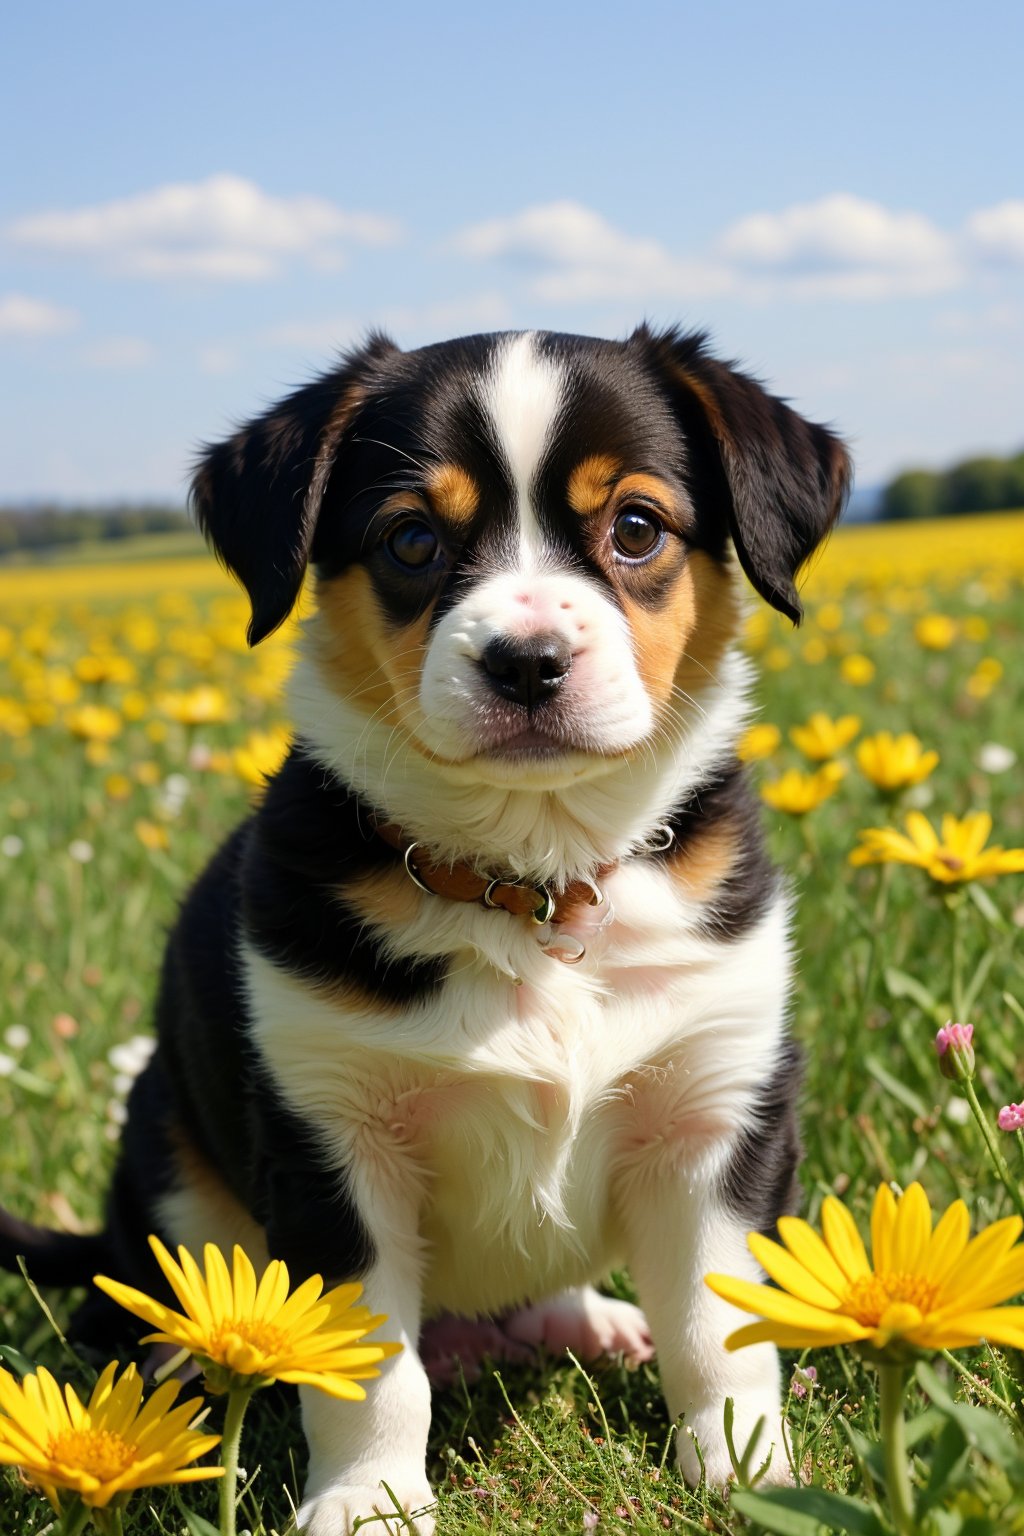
(135, 729)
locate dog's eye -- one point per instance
(413, 544)
(636, 533)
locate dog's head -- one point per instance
(522, 542)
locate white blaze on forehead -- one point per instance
(522, 394)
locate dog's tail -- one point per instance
(53, 1258)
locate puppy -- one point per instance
(489, 994)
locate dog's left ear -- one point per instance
(780, 481)
(257, 496)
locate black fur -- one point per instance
(760, 1182)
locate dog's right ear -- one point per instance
(257, 496)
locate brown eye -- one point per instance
(636, 533)
(413, 545)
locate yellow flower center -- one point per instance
(951, 861)
(871, 1296)
(98, 1452)
(243, 1343)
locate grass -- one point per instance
(541, 1450)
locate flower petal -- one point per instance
(788, 1272)
(772, 1305)
(805, 1244)
(844, 1241)
(883, 1222)
(974, 1267)
(948, 1242)
(912, 1230)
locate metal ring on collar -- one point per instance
(597, 900)
(410, 870)
(558, 949)
(668, 838)
(486, 898)
(546, 911)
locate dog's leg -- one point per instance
(677, 1230)
(357, 1448)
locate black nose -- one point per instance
(527, 671)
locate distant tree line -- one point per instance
(39, 527)
(976, 485)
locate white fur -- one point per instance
(555, 823)
(522, 394)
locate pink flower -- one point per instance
(956, 1054)
(1011, 1118)
(953, 1034)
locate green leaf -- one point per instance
(812, 1507)
(21, 1363)
(947, 1461)
(902, 985)
(899, 1091)
(929, 1422)
(197, 1526)
(986, 906)
(982, 1429)
(868, 1452)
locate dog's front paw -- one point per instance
(707, 1428)
(339, 1509)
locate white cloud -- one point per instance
(21, 315)
(574, 254)
(223, 228)
(119, 352)
(997, 234)
(410, 324)
(843, 246)
(840, 246)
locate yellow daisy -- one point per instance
(929, 1289)
(958, 855)
(236, 1328)
(894, 762)
(107, 1446)
(797, 793)
(758, 741)
(822, 737)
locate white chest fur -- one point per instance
(503, 1117)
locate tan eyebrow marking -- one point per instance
(647, 485)
(454, 492)
(591, 482)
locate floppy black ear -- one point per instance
(782, 481)
(257, 496)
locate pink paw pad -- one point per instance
(586, 1323)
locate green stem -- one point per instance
(238, 1402)
(998, 1161)
(958, 961)
(877, 920)
(74, 1518)
(977, 1385)
(893, 1432)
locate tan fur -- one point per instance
(590, 483)
(454, 494)
(370, 665)
(680, 644)
(652, 488)
(705, 861)
(383, 898)
(201, 1209)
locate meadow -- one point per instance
(135, 728)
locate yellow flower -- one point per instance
(830, 617)
(777, 658)
(94, 722)
(204, 705)
(960, 854)
(930, 1289)
(894, 762)
(815, 651)
(265, 751)
(857, 670)
(758, 742)
(935, 632)
(118, 786)
(152, 836)
(797, 793)
(822, 738)
(102, 1448)
(104, 669)
(230, 1323)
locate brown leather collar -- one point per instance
(460, 882)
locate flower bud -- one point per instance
(1011, 1117)
(956, 1054)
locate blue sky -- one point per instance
(199, 205)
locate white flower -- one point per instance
(129, 1058)
(920, 797)
(993, 757)
(11, 845)
(958, 1110)
(17, 1037)
(7, 1064)
(81, 851)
